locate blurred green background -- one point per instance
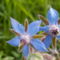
(19, 9)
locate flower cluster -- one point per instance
(52, 29)
(27, 38)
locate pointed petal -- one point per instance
(44, 28)
(58, 37)
(47, 41)
(33, 28)
(25, 50)
(16, 26)
(14, 42)
(38, 45)
(53, 16)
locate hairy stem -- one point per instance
(54, 43)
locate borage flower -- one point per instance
(26, 36)
(52, 29)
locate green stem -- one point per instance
(54, 43)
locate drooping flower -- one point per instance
(26, 36)
(52, 28)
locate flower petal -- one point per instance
(15, 41)
(38, 45)
(33, 28)
(59, 25)
(25, 50)
(53, 16)
(16, 26)
(44, 28)
(47, 41)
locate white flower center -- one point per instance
(54, 30)
(26, 38)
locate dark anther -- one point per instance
(54, 32)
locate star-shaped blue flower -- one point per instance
(53, 29)
(25, 35)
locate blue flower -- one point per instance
(52, 29)
(26, 36)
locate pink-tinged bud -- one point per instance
(48, 57)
